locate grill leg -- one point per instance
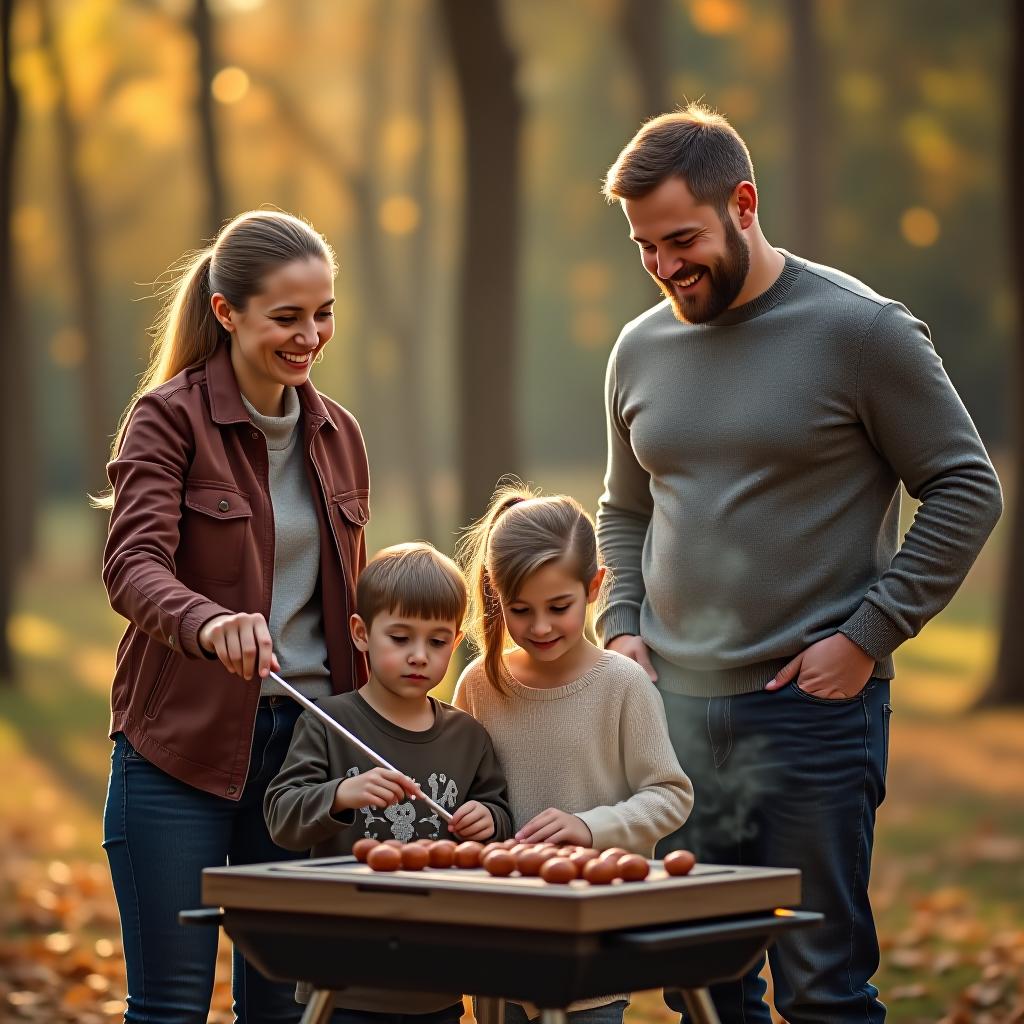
(552, 1017)
(318, 1009)
(699, 1006)
(490, 1010)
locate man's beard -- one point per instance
(725, 280)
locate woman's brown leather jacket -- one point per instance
(192, 536)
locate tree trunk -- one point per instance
(20, 452)
(486, 346)
(372, 409)
(85, 286)
(643, 31)
(11, 345)
(411, 317)
(1007, 685)
(202, 29)
(807, 98)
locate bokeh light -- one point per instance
(919, 226)
(229, 85)
(399, 215)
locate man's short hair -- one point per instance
(413, 580)
(693, 143)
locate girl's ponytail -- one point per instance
(485, 625)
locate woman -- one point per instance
(239, 497)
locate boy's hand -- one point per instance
(378, 787)
(555, 826)
(472, 821)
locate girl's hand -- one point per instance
(472, 821)
(379, 787)
(555, 826)
(242, 642)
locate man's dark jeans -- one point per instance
(785, 779)
(159, 834)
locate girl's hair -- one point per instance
(521, 532)
(186, 332)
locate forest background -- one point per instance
(452, 151)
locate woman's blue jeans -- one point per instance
(785, 779)
(159, 834)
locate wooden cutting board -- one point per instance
(343, 887)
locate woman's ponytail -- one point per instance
(186, 333)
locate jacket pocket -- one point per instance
(156, 694)
(353, 514)
(354, 507)
(214, 522)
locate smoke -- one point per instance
(731, 785)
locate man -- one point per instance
(760, 421)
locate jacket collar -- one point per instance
(226, 404)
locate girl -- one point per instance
(580, 732)
(239, 497)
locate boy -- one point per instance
(410, 601)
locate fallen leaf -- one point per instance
(985, 993)
(998, 850)
(906, 959)
(916, 991)
(77, 996)
(58, 942)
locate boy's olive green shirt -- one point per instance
(453, 761)
(751, 503)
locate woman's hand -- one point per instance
(242, 642)
(555, 826)
(472, 821)
(379, 787)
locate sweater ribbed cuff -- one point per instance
(873, 631)
(618, 620)
(328, 823)
(604, 827)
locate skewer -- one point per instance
(352, 738)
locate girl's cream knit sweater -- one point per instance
(597, 747)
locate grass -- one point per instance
(948, 884)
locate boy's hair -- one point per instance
(521, 532)
(695, 144)
(413, 580)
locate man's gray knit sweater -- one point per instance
(751, 503)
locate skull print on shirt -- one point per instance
(400, 821)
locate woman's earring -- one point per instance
(319, 357)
